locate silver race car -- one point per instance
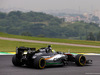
(45, 57)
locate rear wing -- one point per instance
(20, 50)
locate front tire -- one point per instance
(80, 60)
(39, 63)
(16, 61)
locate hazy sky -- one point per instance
(38, 5)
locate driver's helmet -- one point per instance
(49, 49)
(49, 46)
(53, 51)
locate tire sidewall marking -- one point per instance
(80, 59)
(40, 63)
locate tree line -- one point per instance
(44, 25)
(92, 37)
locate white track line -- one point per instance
(45, 42)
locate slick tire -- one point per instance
(39, 63)
(80, 60)
(16, 61)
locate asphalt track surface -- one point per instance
(7, 68)
(46, 42)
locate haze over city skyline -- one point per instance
(40, 5)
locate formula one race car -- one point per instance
(45, 57)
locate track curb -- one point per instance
(12, 53)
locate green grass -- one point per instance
(95, 43)
(6, 46)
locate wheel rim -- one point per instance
(82, 60)
(42, 63)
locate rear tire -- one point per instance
(39, 63)
(80, 60)
(16, 61)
